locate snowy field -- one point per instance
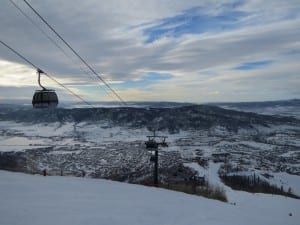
(17, 136)
(35, 200)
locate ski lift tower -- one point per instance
(152, 144)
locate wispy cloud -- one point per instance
(144, 82)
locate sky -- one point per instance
(160, 50)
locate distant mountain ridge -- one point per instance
(281, 108)
(291, 102)
(158, 104)
(172, 119)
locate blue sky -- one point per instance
(253, 65)
(194, 21)
(159, 50)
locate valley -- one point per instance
(75, 142)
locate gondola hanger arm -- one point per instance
(39, 72)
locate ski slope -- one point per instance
(35, 200)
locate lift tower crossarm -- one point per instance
(153, 145)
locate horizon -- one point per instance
(22, 102)
(193, 52)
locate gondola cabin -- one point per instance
(44, 99)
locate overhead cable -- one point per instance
(50, 39)
(66, 43)
(52, 78)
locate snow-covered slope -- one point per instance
(36, 200)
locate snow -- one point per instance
(16, 136)
(211, 173)
(40, 129)
(196, 167)
(257, 145)
(64, 152)
(219, 130)
(287, 181)
(34, 200)
(103, 133)
(290, 154)
(269, 110)
(22, 136)
(18, 144)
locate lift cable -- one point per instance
(56, 81)
(52, 40)
(40, 29)
(66, 43)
